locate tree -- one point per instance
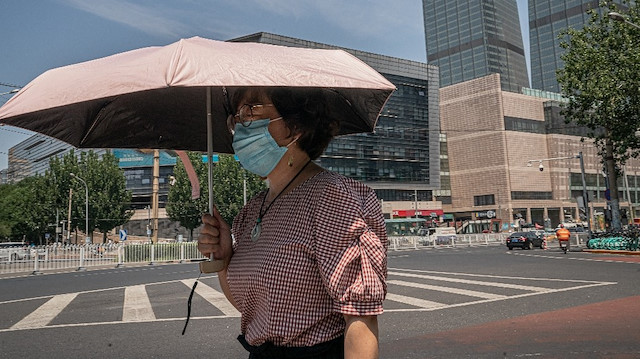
(601, 80)
(181, 207)
(108, 198)
(228, 186)
(228, 190)
(26, 209)
(112, 198)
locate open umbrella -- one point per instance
(173, 97)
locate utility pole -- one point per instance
(69, 218)
(156, 188)
(626, 185)
(585, 198)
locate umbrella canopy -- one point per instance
(156, 97)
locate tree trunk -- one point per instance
(616, 224)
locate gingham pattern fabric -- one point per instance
(321, 254)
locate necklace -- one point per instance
(257, 228)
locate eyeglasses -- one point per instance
(245, 115)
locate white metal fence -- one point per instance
(465, 240)
(79, 257)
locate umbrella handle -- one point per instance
(212, 266)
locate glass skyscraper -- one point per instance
(547, 18)
(469, 39)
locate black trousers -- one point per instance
(333, 349)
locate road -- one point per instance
(480, 302)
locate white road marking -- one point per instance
(416, 302)
(470, 293)
(45, 313)
(214, 297)
(137, 307)
(469, 281)
(569, 257)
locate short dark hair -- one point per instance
(303, 110)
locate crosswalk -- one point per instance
(408, 290)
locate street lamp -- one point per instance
(618, 17)
(10, 92)
(585, 198)
(86, 211)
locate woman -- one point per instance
(307, 266)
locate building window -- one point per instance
(485, 200)
(530, 195)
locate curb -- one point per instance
(609, 251)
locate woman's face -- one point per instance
(256, 105)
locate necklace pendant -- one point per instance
(255, 232)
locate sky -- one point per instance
(40, 35)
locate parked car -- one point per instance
(12, 251)
(524, 240)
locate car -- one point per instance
(12, 251)
(524, 240)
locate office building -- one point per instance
(468, 39)
(31, 157)
(401, 160)
(492, 135)
(547, 19)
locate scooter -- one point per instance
(564, 245)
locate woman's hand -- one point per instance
(215, 237)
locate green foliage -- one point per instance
(108, 198)
(228, 192)
(228, 183)
(601, 79)
(180, 206)
(28, 208)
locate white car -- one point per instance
(13, 251)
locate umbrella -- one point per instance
(173, 97)
(156, 97)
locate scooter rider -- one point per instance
(563, 234)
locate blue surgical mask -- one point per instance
(257, 151)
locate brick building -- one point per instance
(491, 135)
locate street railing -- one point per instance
(79, 257)
(440, 241)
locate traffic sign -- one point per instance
(123, 234)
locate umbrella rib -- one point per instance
(350, 105)
(93, 125)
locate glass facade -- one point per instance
(31, 156)
(547, 18)
(402, 156)
(469, 39)
(398, 151)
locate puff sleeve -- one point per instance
(351, 247)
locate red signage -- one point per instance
(412, 212)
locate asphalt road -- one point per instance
(481, 302)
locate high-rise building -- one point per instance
(547, 18)
(469, 39)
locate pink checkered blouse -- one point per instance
(322, 253)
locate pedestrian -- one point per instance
(307, 265)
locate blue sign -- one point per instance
(134, 158)
(123, 234)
